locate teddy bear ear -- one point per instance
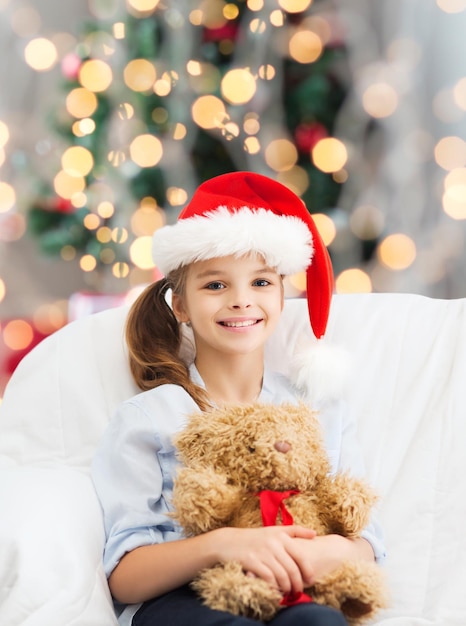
(320, 372)
(190, 445)
(191, 440)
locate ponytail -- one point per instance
(154, 339)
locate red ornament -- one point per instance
(70, 65)
(308, 134)
(60, 205)
(228, 31)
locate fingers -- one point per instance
(270, 553)
(300, 532)
(273, 556)
(279, 571)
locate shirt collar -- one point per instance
(265, 395)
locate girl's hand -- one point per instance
(269, 553)
(325, 553)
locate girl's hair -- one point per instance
(153, 335)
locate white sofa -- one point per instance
(409, 366)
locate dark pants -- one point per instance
(182, 607)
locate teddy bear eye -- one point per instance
(251, 449)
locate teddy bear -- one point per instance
(262, 464)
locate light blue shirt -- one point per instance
(135, 464)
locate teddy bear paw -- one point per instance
(357, 589)
(226, 587)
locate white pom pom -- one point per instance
(320, 372)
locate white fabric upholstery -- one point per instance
(409, 378)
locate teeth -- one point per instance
(239, 324)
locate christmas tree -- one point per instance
(157, 97)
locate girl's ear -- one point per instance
(178, 308)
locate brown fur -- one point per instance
(229, 456)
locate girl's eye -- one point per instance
(215, 286)
(261, 282)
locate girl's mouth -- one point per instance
(239, 323)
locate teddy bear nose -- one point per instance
(282, 446)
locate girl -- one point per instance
(223, 263)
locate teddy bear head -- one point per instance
(257, 446)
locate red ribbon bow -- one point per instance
(272, 504)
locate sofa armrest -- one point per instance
(51, 542)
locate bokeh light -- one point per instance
(176, 196)
(88, 263)
(452, 6)
(105, 209)
(295, 178)
(252, 145)
(125, 111)
(7, 197)
(298, 282)
(380, 100)
(141, 252)
(208, 112)
(81, 102)
(139, 75)
(120, 270)
(17, 334)
(77, 161)
(353, 280)
(326, 227)
(277, 18)
(91, 221)
(281, 154)
(257, 26)
(143, 5)
(146, 220)
(13, 227)
(450, 152)
(67, 186)
(397, 251)
(459, 93)
(294, 6)
(4, 134)
(454, 196)
(119, 235)
(95, 75)
(305, 46)
(40, 54)
(255, 5)
(146, 150)
(50, 317)
(238, 86)
(329, 154)
(267, 72)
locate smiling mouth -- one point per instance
(240, 324)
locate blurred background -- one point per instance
(113, 111)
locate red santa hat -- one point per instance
(242, 212)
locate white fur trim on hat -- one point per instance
(284, 241)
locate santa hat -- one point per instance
(242, 212)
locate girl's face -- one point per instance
(233, 304)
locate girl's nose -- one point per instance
(240, 300)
